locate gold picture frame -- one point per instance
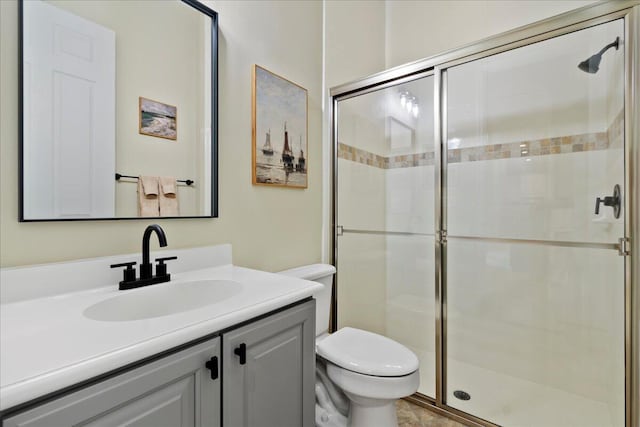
(280, 108)
(157, 119)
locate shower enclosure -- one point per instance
(483, 218)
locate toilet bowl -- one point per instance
(371, 370)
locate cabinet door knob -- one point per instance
(212, 365)
(241, 352)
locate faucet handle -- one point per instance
(124, 264)
(161, 267)
(129, 273)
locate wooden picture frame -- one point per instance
(157, 119)
(279, 113)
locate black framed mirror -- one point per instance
(118, 110)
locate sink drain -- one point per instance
(462, 395)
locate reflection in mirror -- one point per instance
(118, 109)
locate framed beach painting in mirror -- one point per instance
(157, 119)
(279, 131)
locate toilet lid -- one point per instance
(367, 353)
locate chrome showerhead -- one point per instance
(592, 65)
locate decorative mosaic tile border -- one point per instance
(364, 157)
(539, 147)
(411, 160)
(611, 138)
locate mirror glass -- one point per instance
(118, 109)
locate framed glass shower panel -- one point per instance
(385, 217)
(534, 289)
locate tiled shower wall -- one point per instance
(530, 301)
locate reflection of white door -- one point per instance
(69, 115)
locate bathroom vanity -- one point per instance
(87, 357)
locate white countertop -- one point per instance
(47, 343)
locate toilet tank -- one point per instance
(323, 274)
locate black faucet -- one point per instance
(146, 268)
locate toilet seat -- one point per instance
(367, 353)
(373, 387)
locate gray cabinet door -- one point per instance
(175, 391)
(275, 385)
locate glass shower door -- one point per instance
(385, 205)
(534, 284)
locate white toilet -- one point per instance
(373, 371)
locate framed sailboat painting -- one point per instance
(279, 131)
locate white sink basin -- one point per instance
(162, 300)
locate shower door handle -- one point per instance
(613, 201)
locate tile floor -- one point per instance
(410, 415)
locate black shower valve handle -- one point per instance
(607, 201)
(612, 201)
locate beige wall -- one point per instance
(418, 29)
(354, 39)
(270, 228)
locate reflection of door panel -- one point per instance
(69, 101)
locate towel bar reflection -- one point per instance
(186, 181)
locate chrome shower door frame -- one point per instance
(572, 21)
